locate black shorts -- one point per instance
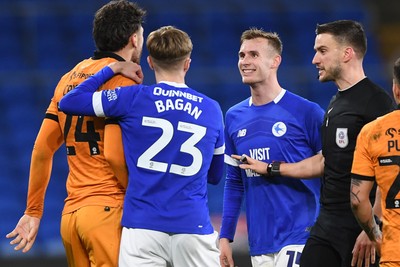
(332, 240)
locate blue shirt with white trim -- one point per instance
(172, 134)
(279, 211)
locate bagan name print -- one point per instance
(177, 103)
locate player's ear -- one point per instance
(348, 54)
(186, 65)
(277, 61)
(150, 62)
(135, 39)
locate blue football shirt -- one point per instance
(170, 134)
(279, 211)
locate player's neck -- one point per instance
(346, 83)
(350, 76)
(176, 77)
(262, 95)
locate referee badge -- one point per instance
(342, 139)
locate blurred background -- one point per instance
(40, 40)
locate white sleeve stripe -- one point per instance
(219, 150)
(231, 161)
(97, 105)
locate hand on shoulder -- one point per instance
(128, 69)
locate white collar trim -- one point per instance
(174, 84)
(276, 100)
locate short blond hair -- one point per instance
(169, 45)
(272, 37)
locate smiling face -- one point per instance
(327, 58)
(256, 58)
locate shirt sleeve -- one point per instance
(316, 117)
(216, 170)
(233, 193)
(232, 202)
(362, 167)
(48, 140)
(83, 99)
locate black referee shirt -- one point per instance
(347, 113)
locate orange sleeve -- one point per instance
(114, 152)
(113, 147)
(48, 140)
(363, 162)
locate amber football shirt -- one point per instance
(91, 180)
(377, 156)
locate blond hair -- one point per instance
(272, 37)
(168, 46)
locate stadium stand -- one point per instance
(42, 39)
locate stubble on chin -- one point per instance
(331, 75)
(136, 58)
(322, 79)
(327, 77)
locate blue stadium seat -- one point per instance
(45, 38)
(12, 43)
(51, 44)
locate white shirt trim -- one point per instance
(97, 104)
(231, 161)
(276, 99)
(174, 84)
(219, 150)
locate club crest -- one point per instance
(279, 129)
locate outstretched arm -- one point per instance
(47, 142)
(311, 167)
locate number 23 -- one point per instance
(145, 160)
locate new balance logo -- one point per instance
(242, 133)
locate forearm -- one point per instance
(308, 168)
(232, 202)
(216, 170)
(120, 171)
(366, 220)
(47, 142)
(311, 167)
(39, 178)
(79, 101)
(377, 204)
(362, 208)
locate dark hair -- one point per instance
(114, 23)
(272, 37)
(347, 32)
(396, 71)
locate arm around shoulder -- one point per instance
(128, 69)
